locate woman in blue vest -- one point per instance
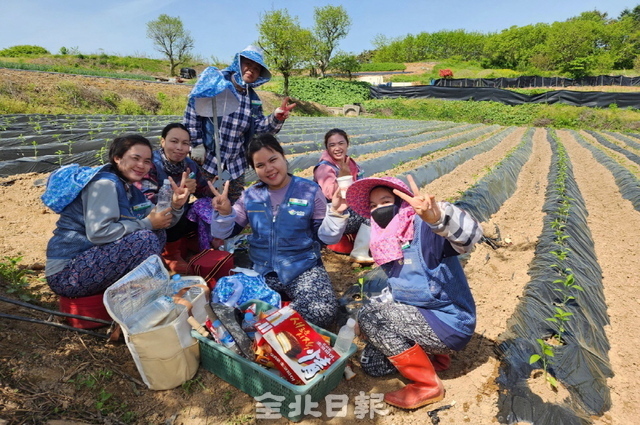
(111, 227)
(334, 163)
(172, 160)
(432, 313)
(289, 216)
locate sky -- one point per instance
(220, 28)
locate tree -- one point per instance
(515, 47)
(171, 39)
(331, 24)
(286, 45)
(573, 45)
(345, 63)
(634, 14)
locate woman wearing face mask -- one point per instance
(289, 216)
(416, 241)
(172, 160)
(335, 163)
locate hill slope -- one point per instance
(33, 92)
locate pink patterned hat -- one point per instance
(358, 192)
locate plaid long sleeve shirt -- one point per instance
(233, 133)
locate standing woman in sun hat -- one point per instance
(247, 71)
(110, 227)
(416, 240)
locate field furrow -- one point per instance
(555, 205)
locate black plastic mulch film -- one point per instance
(629, 141)
(432, 170)
(384, 139)
(627, 182)
(604, 142)
(569, 97)
(487, 195)
(42, 143)
(581, 364)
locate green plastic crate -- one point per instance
(256, 380)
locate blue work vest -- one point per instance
(283, 243)
(70, 236)
(443, 290)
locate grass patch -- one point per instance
(73, 70)
(15, 279)
(536, 115)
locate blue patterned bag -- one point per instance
(65, 184)
(239, 288)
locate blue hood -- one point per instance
(255, 54)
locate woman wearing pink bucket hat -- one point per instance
(416, 241)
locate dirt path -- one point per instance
(497, 278)
(474, 169)
(614, 244)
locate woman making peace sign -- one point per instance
(416, 241)
(110, 227)
(289, 216)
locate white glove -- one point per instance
(198, 153)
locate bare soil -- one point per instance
(54, 376)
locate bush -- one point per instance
(329, 91)
(130, 107)
(23, 50)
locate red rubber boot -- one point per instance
(426, 388)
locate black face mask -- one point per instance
(383, 215)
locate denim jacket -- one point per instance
(284, 242)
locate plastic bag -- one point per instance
(244, 286)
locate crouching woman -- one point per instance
(416, 241)
(289, 216)
(111, 227)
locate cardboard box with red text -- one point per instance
(296, 349)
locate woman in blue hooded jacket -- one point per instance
(171, 160)
(110, 227)
(247, 72)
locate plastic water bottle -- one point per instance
(151, 315)
(249, 324)
(177, 283)
(225, 337)
(345, 337)
(164, 196)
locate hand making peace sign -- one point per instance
(282, 112)
(180, 193)
(221, 202)
(424, 205)
(162, 219)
